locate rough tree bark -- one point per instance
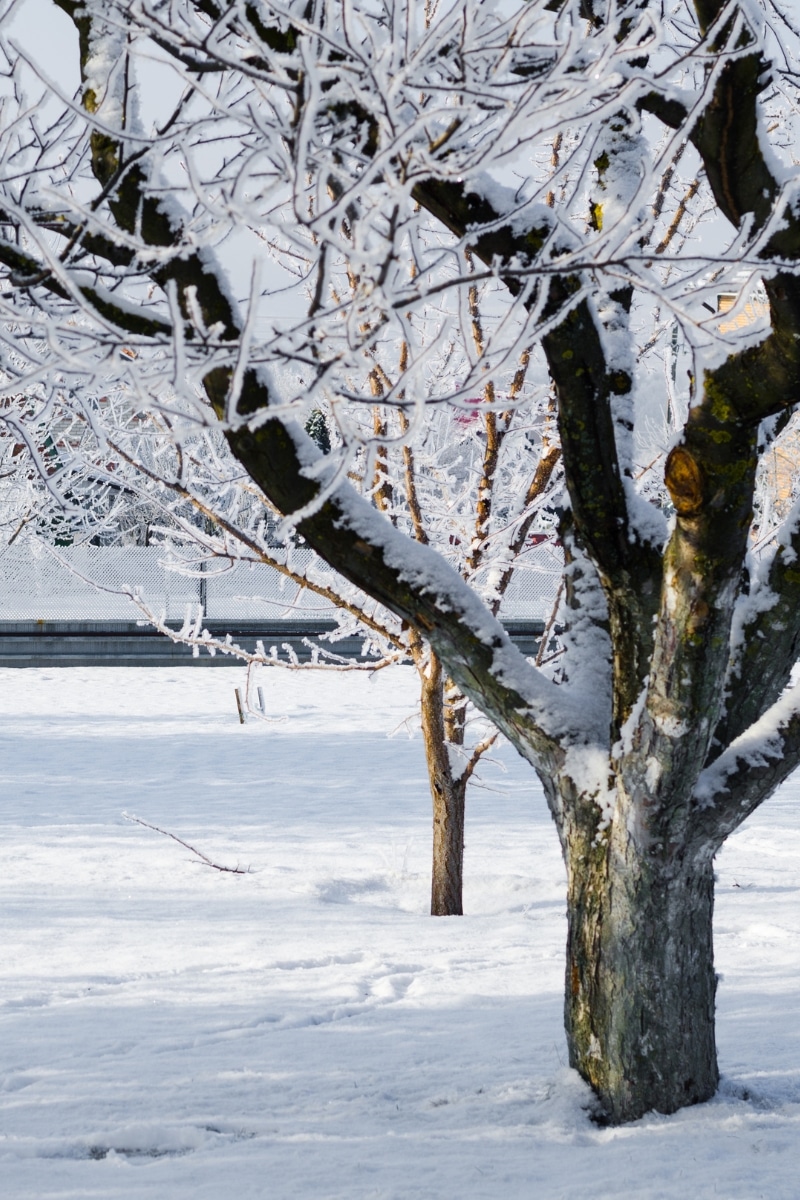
(448, 794)
(641, 983)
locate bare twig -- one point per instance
(477, 753)
(198, 853)
(540, 657)
(680, 212)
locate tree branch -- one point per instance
(748, 772)
(770, 646)
(197, 853)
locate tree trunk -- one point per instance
(448, 847)
(639, 1007)
(448, 794)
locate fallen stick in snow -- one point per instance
(199, 853)
(240, 706)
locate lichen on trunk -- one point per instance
(640, 980)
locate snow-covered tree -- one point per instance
(562, 145)
(480, 488)
(475, 490)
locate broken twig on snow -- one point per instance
(198, 853)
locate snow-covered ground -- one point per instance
(305, 1030)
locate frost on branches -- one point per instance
(230, 216)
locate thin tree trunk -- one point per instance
(639, 1007)
(448, 794)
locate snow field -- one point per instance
(306, 1030)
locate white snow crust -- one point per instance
(306, 1031)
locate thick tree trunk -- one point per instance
(640, 988)
(448, 794)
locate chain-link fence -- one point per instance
(91, 583)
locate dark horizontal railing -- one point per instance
(126, 643)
